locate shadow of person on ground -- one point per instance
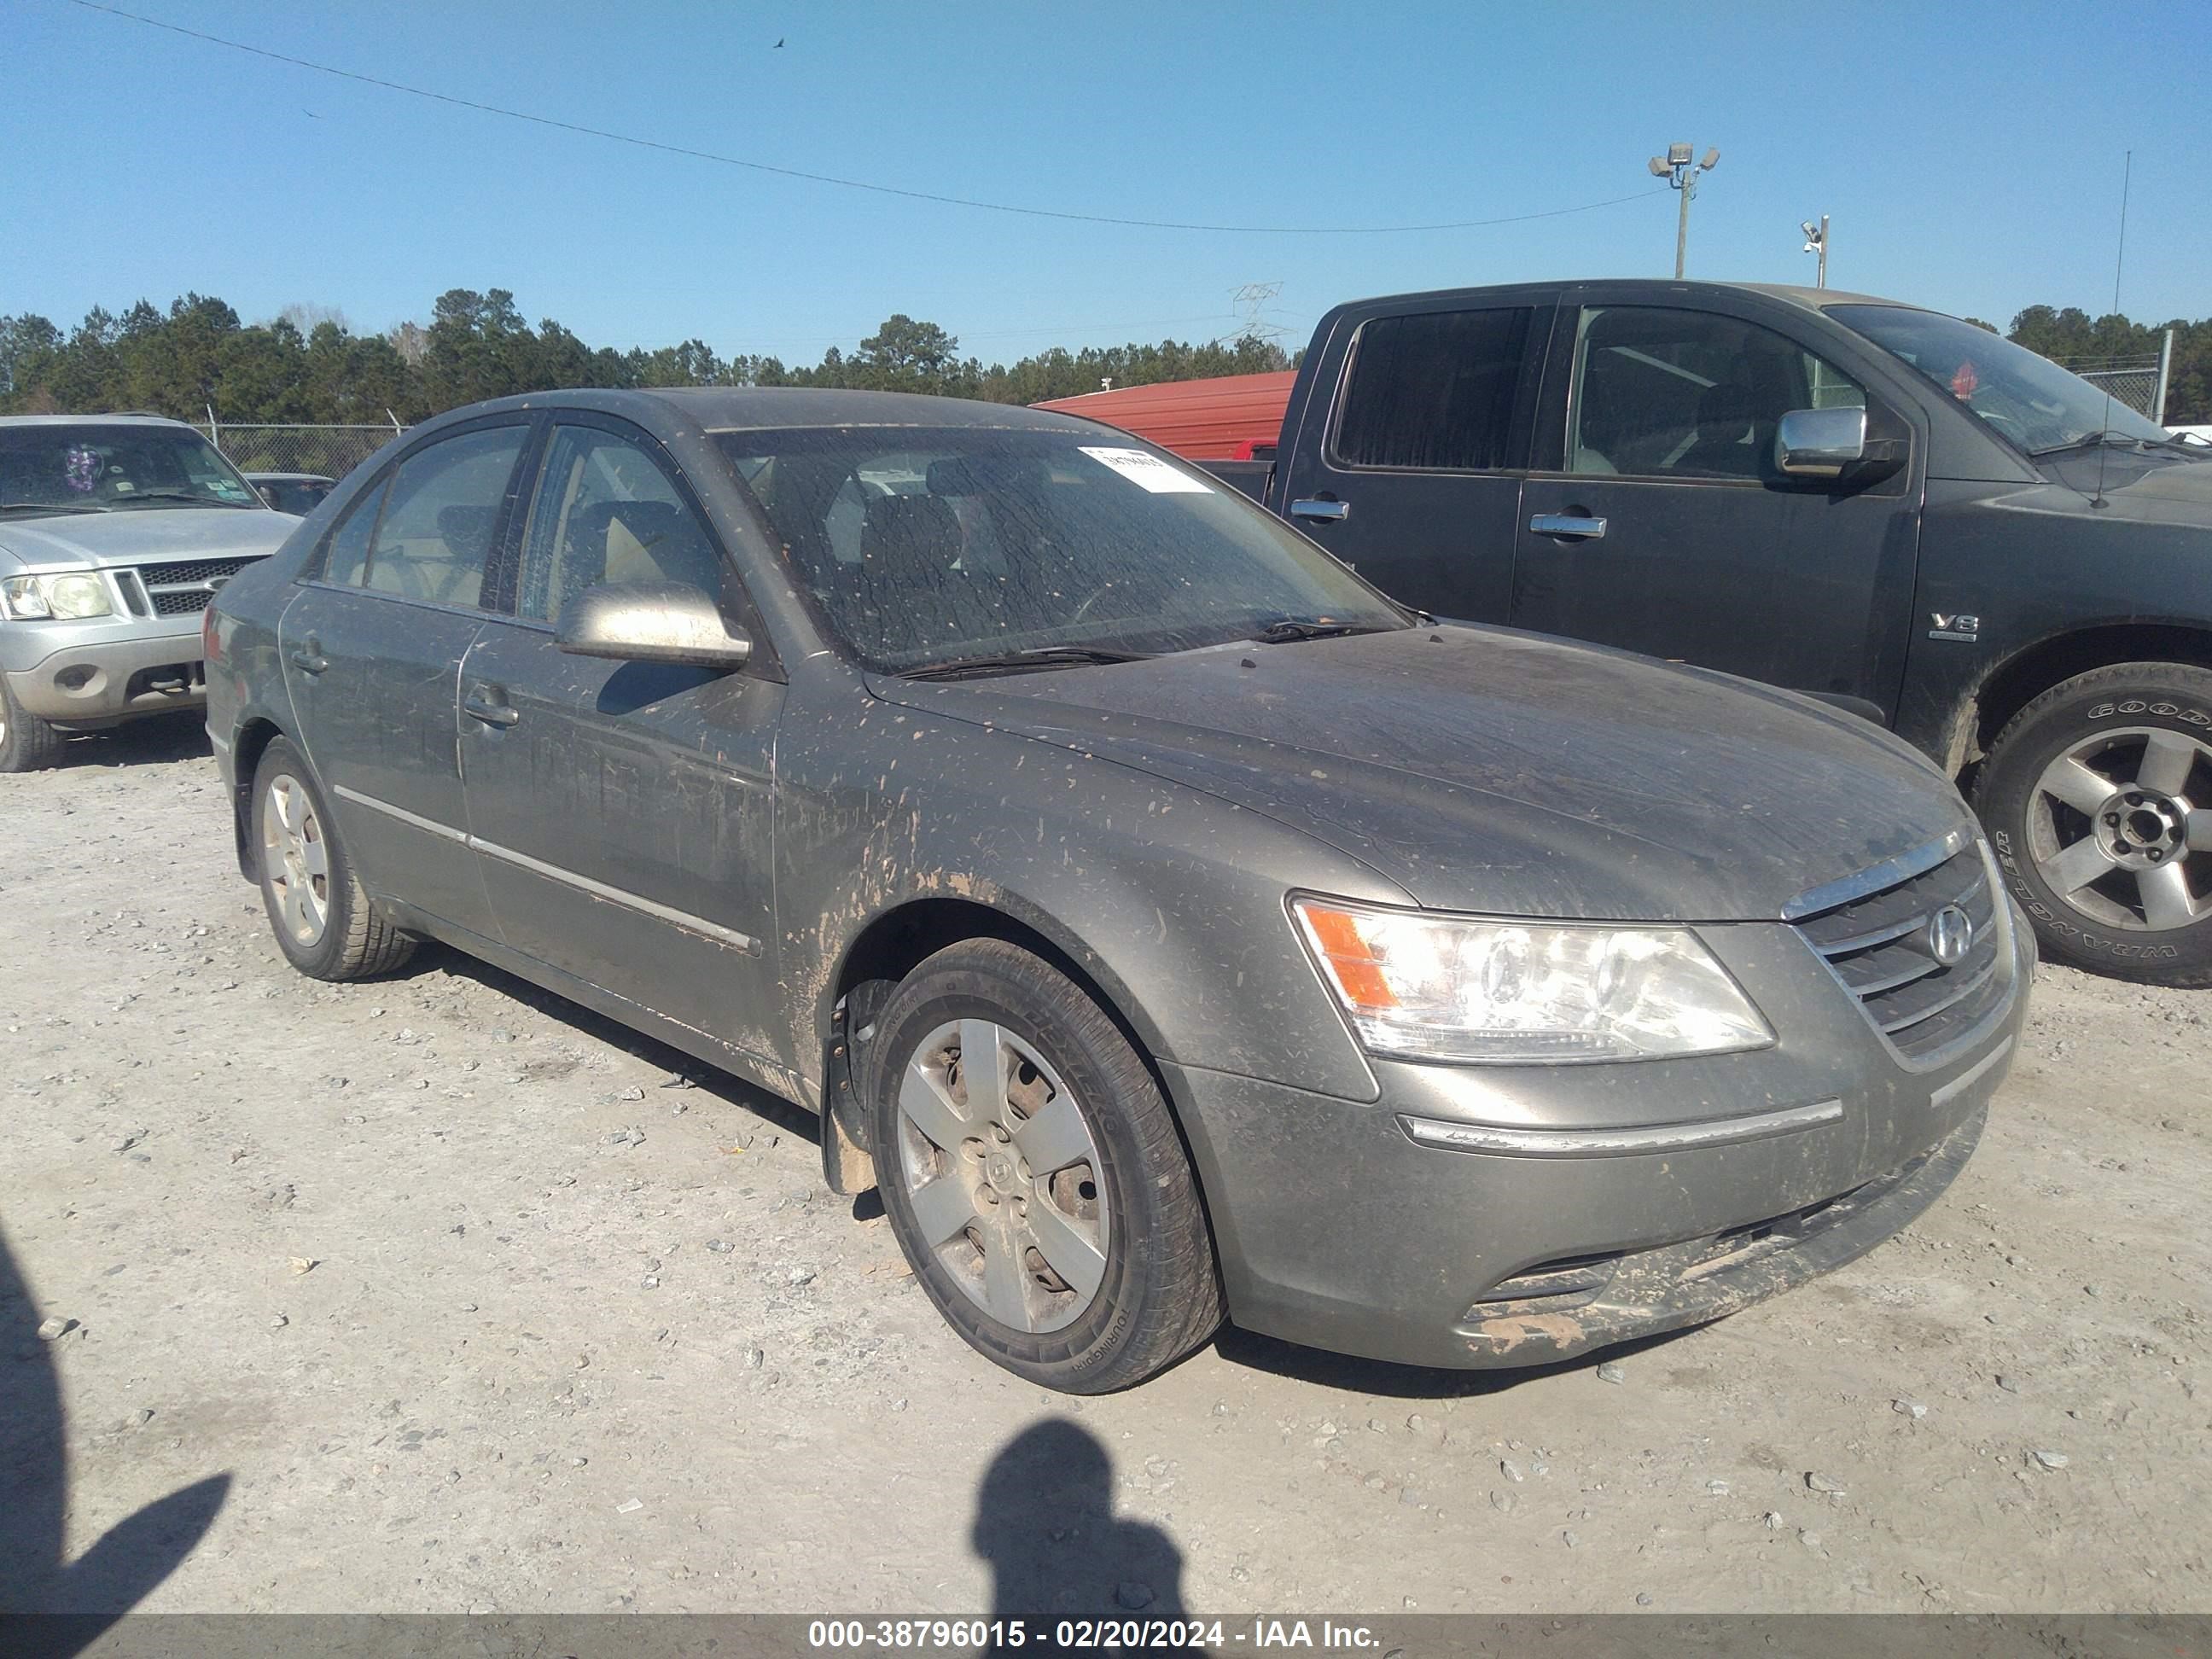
(122, 1566)
(1044, 1520)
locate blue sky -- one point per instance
(1970, 155)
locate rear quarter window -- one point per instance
(1432, 391)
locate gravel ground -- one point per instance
(439, 1294)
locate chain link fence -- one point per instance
(2131, 380)
(331, 451)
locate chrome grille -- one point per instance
(1877, 944)
(184, 586)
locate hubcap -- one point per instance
(297, 859)
(1002, 1173)
(2120, 827)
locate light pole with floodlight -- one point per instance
(1680, 174)
(1816, 241)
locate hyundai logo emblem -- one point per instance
(1950, 935)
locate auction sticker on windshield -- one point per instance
(1148, 472)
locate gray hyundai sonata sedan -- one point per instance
(1170, 925)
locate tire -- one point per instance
(1130, 1286)
(323, 920)
(2098, 799)
(27, 743)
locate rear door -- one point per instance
(372, 649)
(623, 811)
(1656, 517)
(1408, 460)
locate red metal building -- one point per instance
(1218, 420)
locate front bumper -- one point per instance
(1615, 1202)
(93, 675)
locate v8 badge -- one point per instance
(1958, 625)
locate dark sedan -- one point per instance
(1169, 924)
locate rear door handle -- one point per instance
(490, 707)
(1327, 512)
(307, 656)
(1574, 526)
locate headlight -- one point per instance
(70, 597)
(1422, 986)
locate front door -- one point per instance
(623, 811)
(372, 647)
(1665, 527)
(1414, 479)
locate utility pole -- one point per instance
(1251, 300)
(1816, 241)
(1680, 174)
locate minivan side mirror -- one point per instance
(651, 622)
(1820, 443)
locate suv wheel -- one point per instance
(2098, 797)
(1033, 1174)
(323, 922)
(27, 743)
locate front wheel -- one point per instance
(2098, 797)
(1033, 1175)
(27, 743)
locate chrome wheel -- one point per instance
(2120, 828)
(1002, 1173)
(297, 860)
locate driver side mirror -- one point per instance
(651, 622)
(1820, 443)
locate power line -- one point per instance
(830, 179)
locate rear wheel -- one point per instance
(1033, 1175)
(2098, 797)
(27, 743)
(323, 920)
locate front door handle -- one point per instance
(487, 705)
(307, 656)
(1573, 526)
(1326, 511)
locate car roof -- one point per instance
(94, 419)
(1810, 298)
(732, 408)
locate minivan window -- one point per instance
(2034, 403)
(434, 536)
(1432, 390)
(1660, 392)
(976, 541)
(606, 511)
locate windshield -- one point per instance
(924, 546)
(2027, 399)
(97, 467)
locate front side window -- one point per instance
(46, 469)
(2036, 405)
(922, 546)
(433, 538)
(606, 511)
(1432, 391)
(1688, 394)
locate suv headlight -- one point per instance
(1423, 986)
(71, 596)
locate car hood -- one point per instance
(1487, 770)
(139, 535)
(2161, 485)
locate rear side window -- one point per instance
(434, 538)
(1433, 390)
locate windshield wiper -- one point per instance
(1284, 630)
(1042, 656)
(2087, 440)
(52, 507)
(173, 495)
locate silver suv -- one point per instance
(115, 531)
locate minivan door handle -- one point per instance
(307, 656)
(1572, 526)
(1328, 512)
(490, 706)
